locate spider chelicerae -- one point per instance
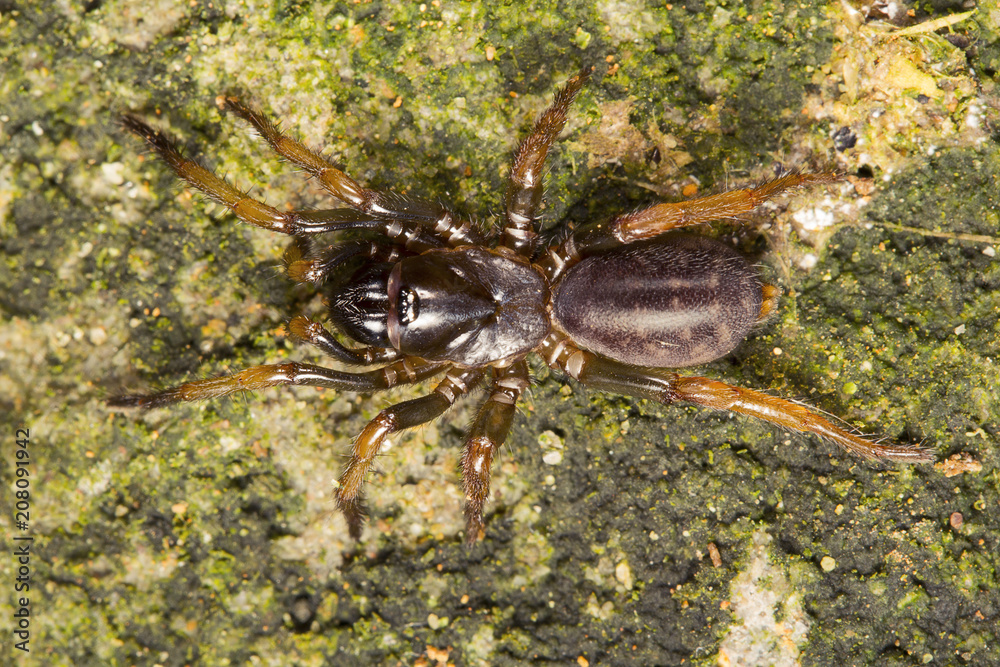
(615, 305)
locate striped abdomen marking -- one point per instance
(668, 302)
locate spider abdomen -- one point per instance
(669, 302)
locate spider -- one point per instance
(422, 293)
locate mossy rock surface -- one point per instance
(622, 532)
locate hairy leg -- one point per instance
(304, 264)
(487, 435)
(404, 371)
(399, 208)
(411, 223)
(314, 333)
(661, 218)
(391, 420)
(524, 188)
(667, 387)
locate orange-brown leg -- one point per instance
(524, 187)
(304, 264)
(246, 208)
(661, 218)
(403, 209)
(488, 434)
(722, 396)
(391, 420)
(404, 371)
(314, 333)
(769, 302)
(412, 223)
(667, 387)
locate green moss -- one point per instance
(203, 533)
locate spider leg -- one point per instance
(487, 435)
(216, 188)
(661, 218)
(769, 302)
(303, 265)
(416, 224)
(397, 209)
(667, 387)
(391, 420)
(404, 371)
(524, 188)
(316, 334)
(414, 238)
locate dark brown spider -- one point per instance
(614, 306)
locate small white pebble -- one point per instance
(113, 172)
(552, 458)
(97, 336)
(990, 251)
(973, 120)
(960, 329)
(812, 219)
(623, 573)
(828, 564)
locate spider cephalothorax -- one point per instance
(615, 305)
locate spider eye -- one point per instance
(408, 308)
